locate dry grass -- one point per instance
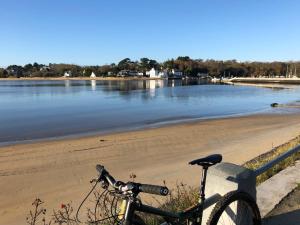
(267, 157)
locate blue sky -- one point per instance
(95, 32)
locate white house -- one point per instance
(67, 74)
(93, 75)
(153, 73)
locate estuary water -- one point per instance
(31, 110)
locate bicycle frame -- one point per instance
(131, 205)
(193, 214)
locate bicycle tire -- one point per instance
(240, 198)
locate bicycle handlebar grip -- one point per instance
(104, 174)
(99, 168)
(154, 189)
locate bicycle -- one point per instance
(247, 212)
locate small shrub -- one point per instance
(37, 215)
(64, 215)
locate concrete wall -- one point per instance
(225, 177)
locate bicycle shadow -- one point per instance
(289, 218)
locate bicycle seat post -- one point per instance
(202, 184)
(205, 163)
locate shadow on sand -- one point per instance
(289, 218)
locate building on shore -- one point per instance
(93, 75)
(126, 73)
(176, 73)
(153, 73)
(67, 74)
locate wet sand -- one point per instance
(59, 171)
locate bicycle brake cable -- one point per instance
(93, 188)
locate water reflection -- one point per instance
(93, 85)
(41, 109)
(67, 83)
(110, 85)
(153, 84)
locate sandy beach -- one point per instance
(59, 171)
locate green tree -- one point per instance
(153, 64)
(144, 62)
(124, 64)
(3, 73)
(87, 71)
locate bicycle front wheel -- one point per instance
(235, 208)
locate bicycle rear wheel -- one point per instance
(235, 208)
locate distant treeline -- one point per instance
(189, 67)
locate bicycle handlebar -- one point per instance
(135, 187)
(154, 189)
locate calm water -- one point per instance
(47, 109)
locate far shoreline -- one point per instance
(79, 78)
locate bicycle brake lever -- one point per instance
(93, 181)
(104, 184)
